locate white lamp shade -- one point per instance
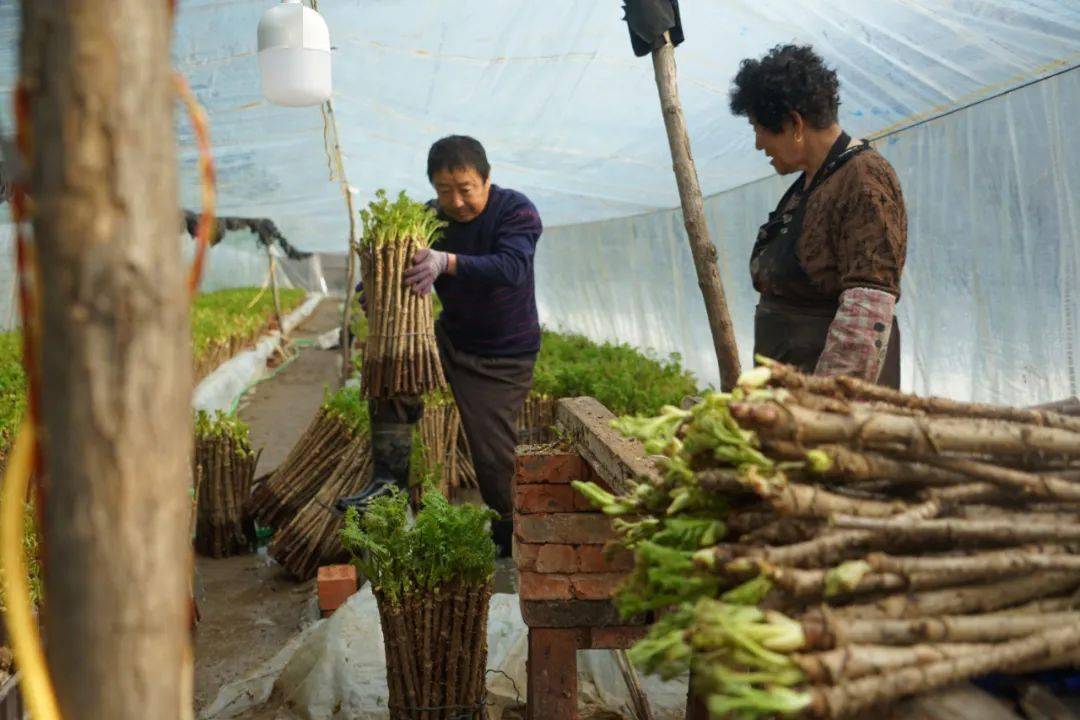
(294, 55)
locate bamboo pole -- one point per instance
(702, 249)
(117, 368)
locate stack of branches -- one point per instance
(829, 545)
(432, 580)
(225, 467)
(536, 420)
(444, 454)
(400, 356)
(442, 459)
(277, 498)
(313, 536)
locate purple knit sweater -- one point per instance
(489, 306)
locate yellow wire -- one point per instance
(36, 684)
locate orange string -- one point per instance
(208, 179)
(27, 277)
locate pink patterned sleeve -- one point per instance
(859, 335)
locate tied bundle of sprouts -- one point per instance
(829, 545)
(400, 354)
(225, 467)
(432, 581)
(341, 418)
(444, 454)
(311, 536)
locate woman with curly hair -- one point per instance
(828, 261)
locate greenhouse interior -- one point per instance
(519, 360)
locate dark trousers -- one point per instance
(489, 392)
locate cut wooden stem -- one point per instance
(857, 696)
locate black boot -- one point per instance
(391, 448)
(360, 501)
(502, 532)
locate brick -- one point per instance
(582, 504)
(598, 586)
(336, 583)
(556, 559)
(594, 559)
(564, 528)
(552, 468)
(575, 613)
(525, 555)
(537, 586)
(543, 498)
(615, 638)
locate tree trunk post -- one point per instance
(116, 396)
(702, 249)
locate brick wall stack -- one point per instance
(559, 537)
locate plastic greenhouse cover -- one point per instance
(568, 114)
(570, 117)
(990, 309)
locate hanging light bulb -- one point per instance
(294, 55)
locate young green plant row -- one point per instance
(221, 323)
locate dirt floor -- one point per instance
(249, 608)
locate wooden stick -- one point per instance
(920, 435)
(701, 248)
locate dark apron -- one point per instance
(793, 317)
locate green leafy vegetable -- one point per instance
(446, 543)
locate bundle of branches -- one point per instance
(432, 582)
(537, 420)
(313, 536)
(400, 355)
(868, 544)
(225, 468)
(439, 445)
(277, 499)
(443, 450)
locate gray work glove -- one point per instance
(428, 265)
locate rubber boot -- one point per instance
(391, 448)
(502, 533)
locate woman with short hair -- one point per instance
(828, 261)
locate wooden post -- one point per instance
(702, 249)
(116, 394)
(552, 674)
(350, 280)
(695, 706)
(274, 292)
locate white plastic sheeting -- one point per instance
(571, 118)
(240, 261)
(9, 299)
(991, 293)
(568, 114)
(336, 669)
